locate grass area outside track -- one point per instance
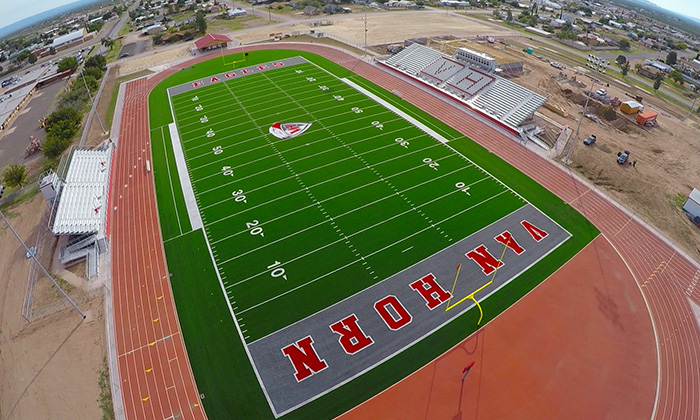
(221, 367)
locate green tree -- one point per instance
(509, 16)
(22, 56)
(624, 68)
(98, 61)
(15, 175)
(32, 58)
(107, 42)
(201, 20)
(677, 76)
(93, 72)
(92, 83)
(64, 114)
(657, 81)
(638, 67)
(671, 58)
(52, 51)
(624, 44)
(68, 63)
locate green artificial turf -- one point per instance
(220, 364)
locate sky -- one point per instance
(684, 7)
(25, 8)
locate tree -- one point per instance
(671, 58)
(98, 61)
(91, 82)
(22, 56)
(682, 45)
(107, 42)
(32, 58)
(657, 81)
(677, 76)
(94, 72)
(201, 20)
(638, 67)
(68, 63)
(15, 175)
(624, 44)
(52, 51)
(64, 114)
(624, 68)
(509, 16)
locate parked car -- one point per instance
(601, 92)
(622, 157)
(589, 140)
(124, 55)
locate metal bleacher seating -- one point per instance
(468, 82)
(413, 59)
(508, 102)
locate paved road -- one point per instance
(13, 145)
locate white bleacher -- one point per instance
(498, 98)
(468, 82)
(414, 58)
(508, 102)
(441, 70)
(82, 205)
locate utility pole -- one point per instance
(691, 109)
(97, 114)
(32, 254)
(567, 160)
(365, 9)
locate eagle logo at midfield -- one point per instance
(288, 130)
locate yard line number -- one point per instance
(277, 271)
(218, 150)
(227, 171)
(401, 142)
(462, 187)
(239, 196)
(254, 228)
(431, 163)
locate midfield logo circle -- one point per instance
(288, 130)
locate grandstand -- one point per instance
(468, 83)
(413, 59)
(441, 70)
(495, 97)
(79, 205)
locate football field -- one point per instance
(341, 228)
(357, 197)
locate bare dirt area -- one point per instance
(49, 368)
(668, 156)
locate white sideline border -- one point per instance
(183, 174)
(429, 131)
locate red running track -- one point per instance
(154, 371)
(666, 278)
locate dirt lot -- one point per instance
(668, 156)
(48, 369)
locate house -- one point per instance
(648, 71)
(153, 29)
(311, 10)
(691, 207)
(615, 24)
(211, 42)
(659, 65)
(232, 13)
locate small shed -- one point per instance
(647, 118)
(631, 107)
(692, 207)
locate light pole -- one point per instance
(567, 160)
(32, 254)
(97, 114)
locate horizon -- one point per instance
(36, 7)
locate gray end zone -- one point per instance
(330, 365)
